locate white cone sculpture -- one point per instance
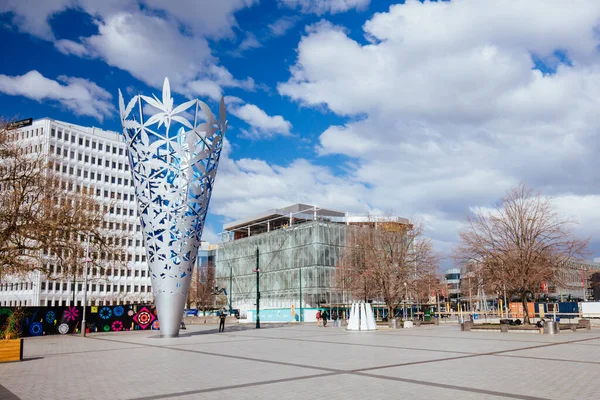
(173, 163)
(361, 318)
(370, 318)
(353, 324)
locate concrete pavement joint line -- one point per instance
(215, 342)
(208, 353)
(377, 345)
(240, 386)
(6, 394)
(81, 352)
(452, 387)
(548, 359)
(493, 353)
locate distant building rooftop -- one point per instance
(295, 214)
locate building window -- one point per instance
(93, 144)
(99, 146)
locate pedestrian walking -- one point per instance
(318, 317)
(324, 317)
(222, 321)
(334, 318)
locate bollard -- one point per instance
(585, 324)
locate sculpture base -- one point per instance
(170, 313)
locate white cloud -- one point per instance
(444, 116)
(250, 186)
(78, 95)
(282, 25)
(66, 46)
(249, 42)
(32, 16)
(149, 48)
(150, 39)
(204, 87)
(261, 124)
(321, 7)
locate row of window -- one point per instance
(86, 142)
(101, 272)
(64, 286)
(26, 134)
(64, 303)
(92, 175)
(16, 286)
(114, 165)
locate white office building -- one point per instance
(94, 159)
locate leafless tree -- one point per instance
(519, 244)
(202, 288)
(44, 217)
(387, 261)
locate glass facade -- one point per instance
(297, 267)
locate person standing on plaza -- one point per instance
(324, 317)
(334, 318)
(318, 317)
(222, 321)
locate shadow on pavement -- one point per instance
(232, 328)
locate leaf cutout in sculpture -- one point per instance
(210, 118)
(222, 114)
(182, 107)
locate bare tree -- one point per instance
(44, 217)
(202, 288)
(388, 261)
(519, 244)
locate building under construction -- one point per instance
(296, 250)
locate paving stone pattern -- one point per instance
(305, 362)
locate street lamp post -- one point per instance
(406, 301)
(257, 270)
(85, 263)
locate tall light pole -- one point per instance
(257, 270)
(300, 278)
(85, 263)
(406, 301)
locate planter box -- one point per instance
(11, 350)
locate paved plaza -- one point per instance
(306, 361)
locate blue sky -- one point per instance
(426, 110)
